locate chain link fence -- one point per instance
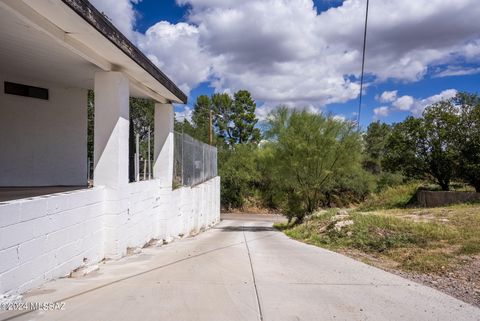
(194, 162)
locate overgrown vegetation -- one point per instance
(305, 161)
(426, 240)
(398, 196)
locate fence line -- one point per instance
(194, 162)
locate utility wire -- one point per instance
(363, 65)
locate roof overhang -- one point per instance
(81, 28)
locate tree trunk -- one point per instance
(477, 186)
(445, 186)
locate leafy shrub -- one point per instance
(392, 197)
(238, 173)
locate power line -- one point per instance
(363, 65)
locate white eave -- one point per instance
(79, 27)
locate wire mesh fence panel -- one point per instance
(177, 160)
(194, 162)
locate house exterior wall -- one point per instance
(43, 142)
(47, 237)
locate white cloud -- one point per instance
(340, 117)
(284, 51)
(186, 113)
(457, 71)
(388, 96)
(120, 12)
(175, 49)
(404, 103)
(381, 111)
(421, 104)
(414, 105)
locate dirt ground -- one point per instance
(463, 282)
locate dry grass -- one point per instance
(421, 240)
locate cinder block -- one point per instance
(27, 251)
(57, 203)
(41, 226)
(65, 253)
(56, 239)
(16, 234)
(77, 199)
(10, 213)
(14, 278)
(34, 208)
(9, 259)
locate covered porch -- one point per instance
(52, 53)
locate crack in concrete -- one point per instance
(253, 275)
(143, 273)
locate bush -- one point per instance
(238, 173)
(387, 179)
(311, 153)
(392, 197)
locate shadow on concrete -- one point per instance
(246, 229)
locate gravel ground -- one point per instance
(462, 283)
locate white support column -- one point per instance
(164, 144)
(111, 129)
(111, 156)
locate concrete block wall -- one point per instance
(47, 237)
(35, 133)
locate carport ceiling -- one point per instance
(28, 53)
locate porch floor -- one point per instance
(15, 193)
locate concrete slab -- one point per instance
(15, 193)
(210, 277)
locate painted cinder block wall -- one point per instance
(47, 237)
(43, 142)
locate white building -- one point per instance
(51, 53)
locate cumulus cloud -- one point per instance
(120, 13)
(388, 96)
(404, 103)
(340, 117)
(415, 106)
(284, 51)
(186, 113)
(457, 71)
(381, 111)
(175, 49)
(421, 104)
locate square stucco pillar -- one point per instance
(164, 144)
(111, 156)
(111, 129)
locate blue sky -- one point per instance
(307, 54)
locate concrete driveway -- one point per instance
(242, 270)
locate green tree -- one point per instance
(468, 138)
(426, 146)
(311, 152)
(239, 174)
(223, 109)
(375, 140)
(201, 118)
(184, 127)
(439, 150)
(401, 148)
(235, 118)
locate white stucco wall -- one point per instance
(43, 143)
(47, 237)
